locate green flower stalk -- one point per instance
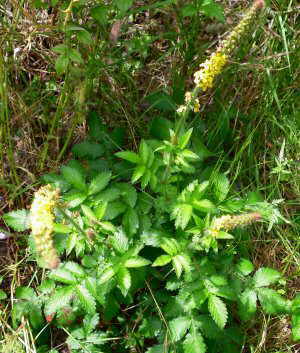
(42, 224)
(214, 65)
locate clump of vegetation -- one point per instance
(141, 249)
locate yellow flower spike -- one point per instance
(228, 222)
(42, 223)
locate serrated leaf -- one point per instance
(272, 302)
(128, 193)
(90, 322)
(162, 260)
(86, 149)
(106, 275)
(74, 268)
(244, 267)
(136, 261)
(130, 221)
(88, 212)
(25, 293)
(247, 304)
(17, 220)
(86, 299)
(99, 183)
(114, 209)
(59, 299)
(179, 327)
(218, 310)
(194, 343)
(46, 286)
(221, 186)
(170, 246)
(74, 177)
(62, 275)
(265, 276)
(185, 261)
(129, 156)
(119, 241)
(124, 280)
(74, 198)
(204, 205)
(177, 265)
(182, 214)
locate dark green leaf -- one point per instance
(99, 182)
(218, 310)
(87, 149)
(272, 302)
(130, 221)
(266, 276)
(74, 177)
(86, 299)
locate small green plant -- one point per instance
(143, 247)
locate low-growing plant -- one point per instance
(144, 248)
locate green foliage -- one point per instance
(117, 236)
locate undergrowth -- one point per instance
(161, 234)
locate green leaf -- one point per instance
(90, 322)
(119, 241)
(85, 37)
(59, 299)
(75, 56)
(61, 228)
(123, 5)
(25, 293)
(129, 156)
(74, 198)
(130, 221)
(3, 295)
(99, 183)
(86, 299)
(160, 128)
(265, 276)
(61, 49)
(114, 209)
(17, 220)
(88, 212)
(218, 310)
(106, 275)
(185, 261)
(211, 9)
(188, 10)
(162, 260)
(46, 286)
(62, 275)
(194, 343)
(244, 267)
(179, 327)
(74, 268)
(136, 261)
(247, 304)
(89, 150)
(204, 205)
(99, 13)
(128, 193)
(177, 265)
(74, 177)
(124, 280)
(184, 139)
(182, 214)
(221, 186)
(170, 246)
(272, 302)
(138, 173)
(296, 327)
(61, 64)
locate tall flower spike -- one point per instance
(214, 65)
(42, 223)
(229, 222)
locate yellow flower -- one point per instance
(212, 67)
(42, 223)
